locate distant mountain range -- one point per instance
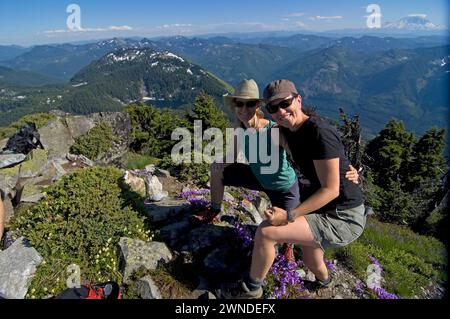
(376, 77)
(411, 85)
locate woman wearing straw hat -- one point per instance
(281, 187)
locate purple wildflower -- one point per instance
(381, 293)
(191, 193)
(375, 262)
(199, 202)
(286, 275)
(330, 265)
(244, 235)
(360, 287)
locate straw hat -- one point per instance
(246, 90)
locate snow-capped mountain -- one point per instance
(144, 74)
(414, 22)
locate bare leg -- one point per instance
(313, 259)
(267, 237)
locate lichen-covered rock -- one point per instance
(31, 194)
(36, 162)
(137, 253)
(18, 265)
(136, 183)
(9, 178)
(79, 125)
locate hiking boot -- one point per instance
(239, 290)
(289, 252)
(208, 216)
(319, 284)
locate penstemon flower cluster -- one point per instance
(289, 280)
(380, 292)
(195, 197)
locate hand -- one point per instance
(352, 175)
(276, 216)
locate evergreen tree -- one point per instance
(429, 162)
(391, 153)
(205, 110)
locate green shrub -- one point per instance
(40, 119)
(192, 172)
(80, 221)
(152, 129)
(96, 142)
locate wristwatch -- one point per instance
(290, 217)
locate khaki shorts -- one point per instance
(337, 228)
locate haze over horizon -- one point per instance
(24, 23)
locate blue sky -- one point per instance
(28, 22)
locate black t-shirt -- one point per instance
(318, 140)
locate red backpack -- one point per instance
(107, 290)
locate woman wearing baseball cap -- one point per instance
(332, 212)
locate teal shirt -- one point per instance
(284, 177)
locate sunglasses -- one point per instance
(273, 108)
(249, 104)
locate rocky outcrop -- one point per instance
(18, 265)
(136, 254)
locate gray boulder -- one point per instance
(18, 265)
(166, 210)
(79, 125)
(137, 253)
(122, 129)
(174, 233)
(154, 188)
(56, 138)
(7, 160)
(147, 289)
(207, 236)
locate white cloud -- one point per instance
(422, 15)
(301, 24)
(111, 28)
(176, 25)
(294, 15)
(326, 17)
